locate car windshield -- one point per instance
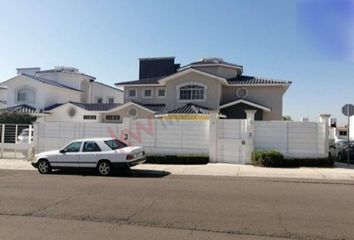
(115, 144)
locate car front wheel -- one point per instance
(104, 168)
(44, 167)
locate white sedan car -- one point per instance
(104, 154)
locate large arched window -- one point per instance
(25, 95)
(192, 92)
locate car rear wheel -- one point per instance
(44, 167)
(104, 168)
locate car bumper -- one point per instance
(137, 161)
(129, 164)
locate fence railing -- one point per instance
(16, 140)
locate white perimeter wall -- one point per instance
(292, 139)
(159, 137)
(191, 138)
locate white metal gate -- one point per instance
(232, 146)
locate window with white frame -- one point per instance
(132, 93)
(147, 93)
(25, 95)
(161, 92)
(192, 92)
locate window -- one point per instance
(342, 133)
(241, 92)
(147, 93)
(25, 95)
(115, 144)
(91, 147)
(99, 100)
(73, 147)
(89, 117)
(111, 100)
(191, 92)
(161, 93)
(132, 93)
(132, 112)
(112, 117)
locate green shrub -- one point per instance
(269, 158)
(177, 160)
(272, 158)
(16, 118)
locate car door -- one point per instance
(90, 154)
(69, 156)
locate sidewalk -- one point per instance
(340, 172)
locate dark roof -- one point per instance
(49, 82)
(87, 106)
(22, 108)
(153, 80)
(190, 108)
(155, 107)
(244, 80)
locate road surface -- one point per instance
(156, 205)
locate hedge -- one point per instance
(16, 118)
(272, 158)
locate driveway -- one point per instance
(340, 172)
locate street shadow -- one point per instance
(126, 173)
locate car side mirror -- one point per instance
(62, 151)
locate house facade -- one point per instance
(165, 89)
(41, 89)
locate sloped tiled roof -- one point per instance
(245, 80)
(63, 70)
(155, 107)
(50, 82)
(22, 108)
(190, 108)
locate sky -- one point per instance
(308, 42)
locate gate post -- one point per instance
(250, 114)
(324, 118)
(213, 127)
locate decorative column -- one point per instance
(213, 128)
(324, 118)
(250, 116)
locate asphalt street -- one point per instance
(156, 205)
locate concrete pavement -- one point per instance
(340, 172)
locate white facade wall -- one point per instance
(99, 90)
(45, 94)
(61, 114)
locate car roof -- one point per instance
(93, 139)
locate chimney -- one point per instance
(157, 67)
(29, 71)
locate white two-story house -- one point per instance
(34, 90)
(165, 89)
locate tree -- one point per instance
(287, 118)
(16, 118)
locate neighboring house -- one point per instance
(3, 97)
(165, 89)
(41, 89)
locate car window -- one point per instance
(115, 144)
(91, 147)
(73, 147)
